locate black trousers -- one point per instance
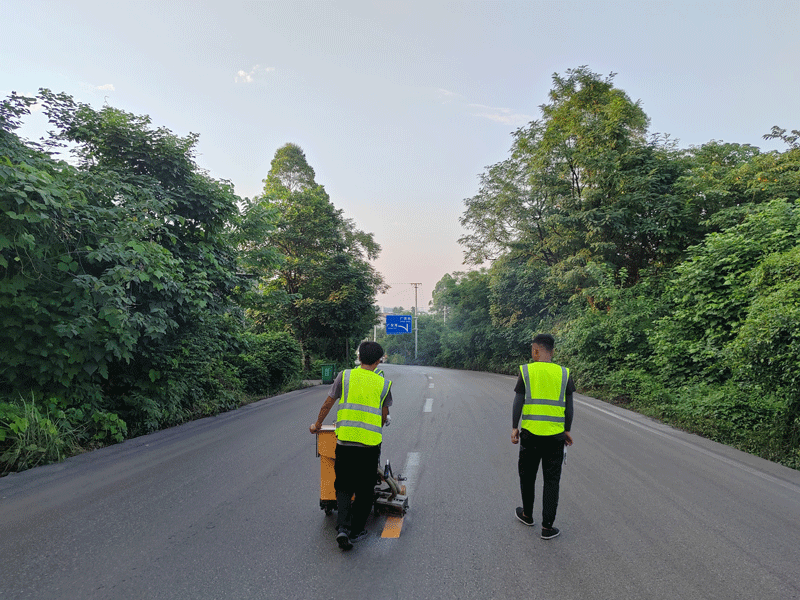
(549, 450)
(356, 469)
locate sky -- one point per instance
(401, 106)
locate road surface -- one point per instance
(228, 507)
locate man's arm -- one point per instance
(334, 393)
(516, 409)
(569, 411)
(323, 412)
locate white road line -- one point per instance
(410, 471)
(430, 385)
(734, 463)
(428, 405)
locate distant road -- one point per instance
(228, 508)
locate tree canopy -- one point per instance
(668, 275)
(324, 273)
(137, 292)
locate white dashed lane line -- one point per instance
(428, 405)
(410, 471)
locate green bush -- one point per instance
(30, 436)
(608, 331)
(712, 294)
(269, 362)
(738, 415)
(766, 348)
(637, 387)
(108, 427)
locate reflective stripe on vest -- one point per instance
(545, 408)
(360, 412)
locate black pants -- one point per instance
(356, 469)
(549, 450)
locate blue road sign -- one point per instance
(398, 324)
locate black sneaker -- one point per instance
(548, 533)
(343, 540)
(523, 519)
(357, 538)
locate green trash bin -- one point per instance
(328, 372)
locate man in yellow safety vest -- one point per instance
(541, 421)
(363, 406)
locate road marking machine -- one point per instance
(390, 493)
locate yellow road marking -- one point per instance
(392, 527)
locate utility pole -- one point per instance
(416, 314)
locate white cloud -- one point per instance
(446, 96)
(250, 76)
(90, 88)
(500, 115)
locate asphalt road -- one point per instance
(228, 508)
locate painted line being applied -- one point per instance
(394, 525)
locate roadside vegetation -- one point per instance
(137, 293)
(670, 276)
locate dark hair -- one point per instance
(545, 340)
(369, 353)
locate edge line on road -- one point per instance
(733, 463)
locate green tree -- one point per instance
(469, 340)
(582, 185)
(518, 301)
(325, 273)
(109, 265)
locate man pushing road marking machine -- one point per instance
(350, 450)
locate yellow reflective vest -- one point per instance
(545, 405)
(360, 412)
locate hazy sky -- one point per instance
(399, 106)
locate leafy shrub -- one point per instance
(609, 331)
(767, 346)
(30, 436)
(636, 387)
(269, 362)
(108, 427)
(712, 294)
